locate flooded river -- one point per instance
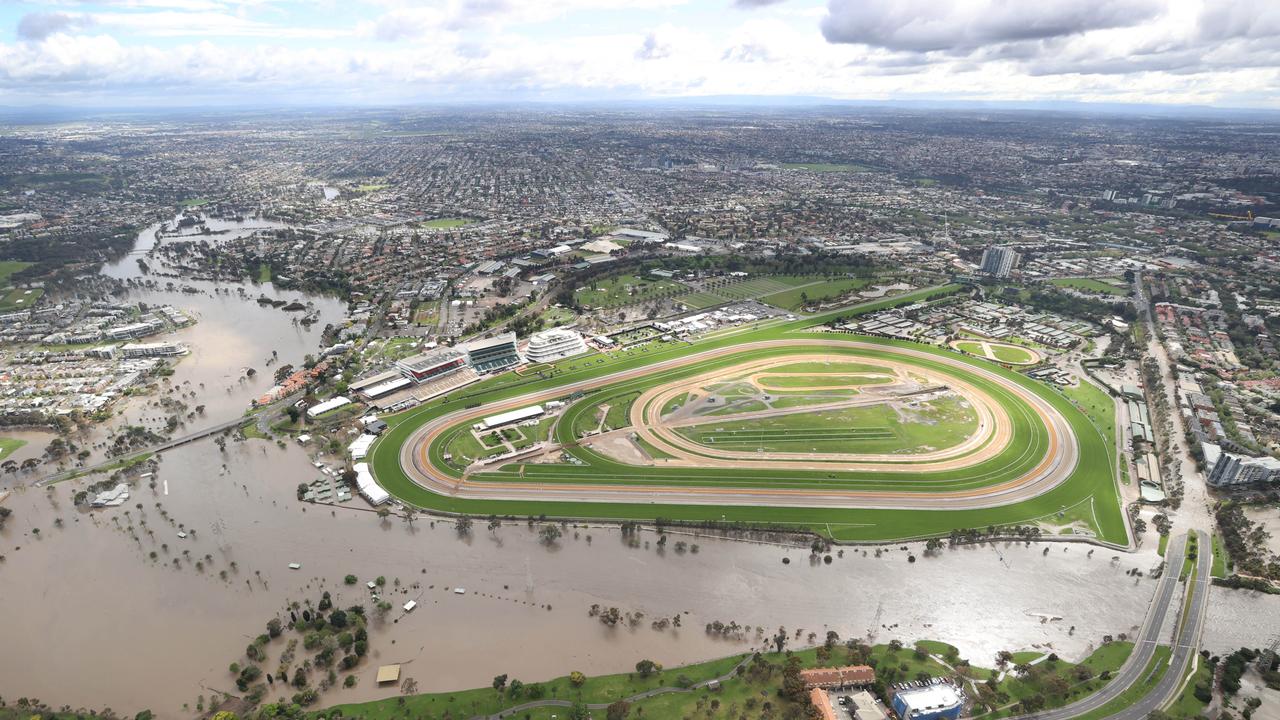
(90, 597)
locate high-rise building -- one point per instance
(999, 260)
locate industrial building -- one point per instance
(495, 353)
(999, 261)
(554, 344)
(939, 701)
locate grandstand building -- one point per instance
(432, 365)
(554, 344)
(492, 354)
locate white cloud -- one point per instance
(1183, 50)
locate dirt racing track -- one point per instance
(999, 463)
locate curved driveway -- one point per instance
(1059, 461)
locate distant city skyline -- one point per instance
(191, 52)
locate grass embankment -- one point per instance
(1220, 560)
(1091, 485)
(1147, 682)
(745, 691)
(1187, 705)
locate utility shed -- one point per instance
(389, 674)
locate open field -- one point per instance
(920, 506)
(8, 268)
(625, 289)
(9, 445)
(827, 167)
(796, 297)
(437, 224)
(1105, 286)
(999, 352)
(20, 299)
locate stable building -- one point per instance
(512, 416)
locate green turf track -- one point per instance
(1092, 482)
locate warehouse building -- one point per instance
(939, 701)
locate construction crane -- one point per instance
(1225, 216)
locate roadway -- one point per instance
(262, 417)
(1184, 632)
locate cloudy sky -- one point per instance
(122, 52)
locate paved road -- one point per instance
(263, 418)
(1154, 632)
(1187, 640)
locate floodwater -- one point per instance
(1241, 618)
(232, 333)
(90, 597)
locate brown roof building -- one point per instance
(849, 675)
(822, 702)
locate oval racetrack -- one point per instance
(1055, 467)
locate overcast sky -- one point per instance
(122, 52)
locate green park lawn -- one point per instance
(624, 290)
(828, 167)
(760, 678)
(828, 290)
(9, 267)
(20, 299)
(871, 429)
(1011, 354)
(436, 224)
(1110, 286)
(9, 446)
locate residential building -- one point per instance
(1232, 469)
(999, 260)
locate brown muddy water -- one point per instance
(128, 632)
